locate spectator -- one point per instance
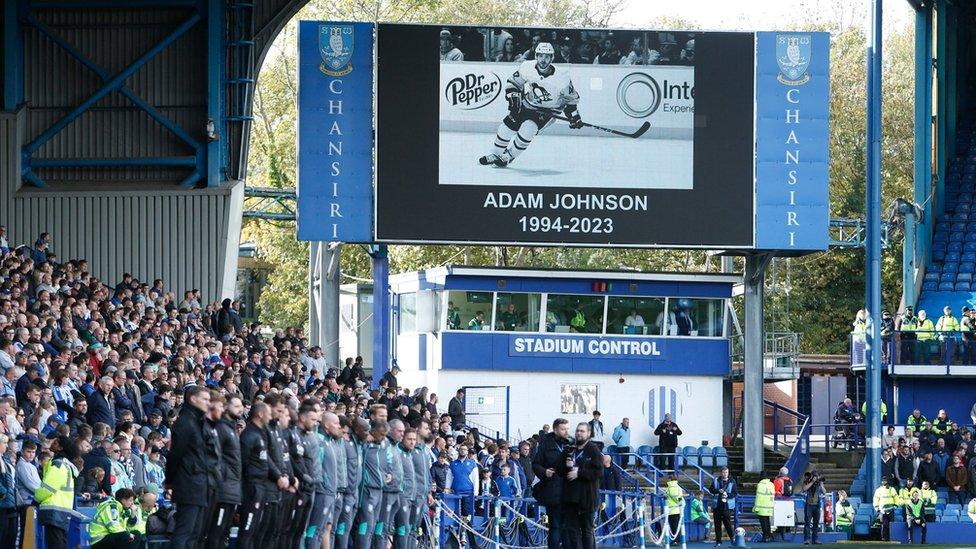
(499, 41)
(463, 479)
(455, 408)
(8, 500)
(928, 470)
(957, 480)
(904, 466)
(448, 51)
(101, 403)
(596, 427)
(584, 470)
(621, 438)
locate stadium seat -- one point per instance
(964, 276)
(948, 277)
(962, 286)
(942, 227)
(938, 254)
(951, 257)
(855, 501)
(952, 509)
(962, 207)
(949, 518)
(957, 236)
(689, 455)
(947, 287)
(721, 457)
(967, 257)
(706, 456)
(930, 286)
(936, 267)
(958, 227)
(965, 268)
(931, 277)
(645, 452)
(968, 247)
(956, 245)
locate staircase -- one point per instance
(838, 468)
(772, 461)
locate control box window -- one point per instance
(518, 312)
(694, 317)
(635, 315)
(408, 313)
(581, 314)
(468, 310)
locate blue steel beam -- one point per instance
(92, 4)
(109, 86)
(105, 75)
(13, 55)
(215, 104)
(174, 161)
(923, 132)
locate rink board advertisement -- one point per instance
(675, 171)
(335, 131)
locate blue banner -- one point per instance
(586, 347)
(792, 138)
(335, 131)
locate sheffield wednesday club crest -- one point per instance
(335, 46)
(793, 57)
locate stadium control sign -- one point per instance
(335, 131)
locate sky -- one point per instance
(758, 14)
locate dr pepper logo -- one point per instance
(473, 91)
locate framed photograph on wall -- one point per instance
(578, 398)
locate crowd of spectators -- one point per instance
(171, 415)
(590, 47)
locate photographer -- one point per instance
(549, 467)
(813, 489)
(667, 433)
(725, 489)
(584, 470)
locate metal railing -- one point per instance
(799, 456)
(910, 348)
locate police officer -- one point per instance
(259, 476)
(403, 510)
(376, 475)
(229, 490)
(303, 462)
(356, 434)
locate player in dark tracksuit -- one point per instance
(422, 459)
(353, 441)
(282, 502)
(376, 474)
(260, 477)
(342, 475)
(402, 514)
(228, 491)
(304, 457)
(392, 489)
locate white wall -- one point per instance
(535, 400)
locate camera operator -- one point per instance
(667, 432)
(549, 466)
(584, 470)
(813, 489)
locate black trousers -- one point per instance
(722, 517)
(9, 526)
(666, 461)
(624, 458)
(253, 523)
(299, 520)
(578, 527)
(916, 523)
(767, 532)
(55, 538)
(557, 527)
(284, 524)
(811, 522)
(674, 524)
(120, 540)
(886, 519)
(269, 525)
(188, 530)
(218, 525)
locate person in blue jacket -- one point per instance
(504, 485)
(621, 438)
(724, 490)
(462, 479)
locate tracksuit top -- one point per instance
(342, 465)
(395, 469)
(461, 471)
(353, 458)
(375, 464)
(506, 487)
(408, 486)
(329, 466)
(421, 472)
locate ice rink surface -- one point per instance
(582, 161)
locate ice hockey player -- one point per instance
(535, 92)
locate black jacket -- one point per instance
(583, 493)
(100, 410)
(550, 455)
(929, 471)
(667, 438)
(279, 459)
(455, 409)
(229, 491)
(258, 473)
(186, 465)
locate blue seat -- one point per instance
(967, 257)
(855, 502)
(930, 286)
(962, 207)
(951, 257)
(938, 254)
(966, 268)
(953, 508)
(949, 518)
(935, 268)
(968, 247)
(962, 286)
(958, 227)
(955, 246)
(706, 456)
(644, 452)
(721, 456)
(957, 236)
(948, 277)
(941, 236)
(964, 276)
(942, 227)
(947, 287)
(689, 455)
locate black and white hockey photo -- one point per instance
(538, 107)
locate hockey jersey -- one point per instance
(550, 90)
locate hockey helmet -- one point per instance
(544, 47)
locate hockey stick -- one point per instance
(640, 131)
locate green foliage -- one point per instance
(824, 289)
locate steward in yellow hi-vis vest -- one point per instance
(117, 522)
(56, 494)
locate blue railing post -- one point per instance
(775, 427)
